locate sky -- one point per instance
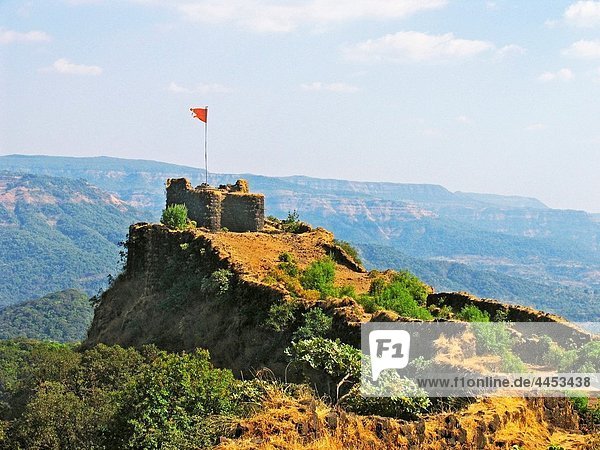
(479, 96)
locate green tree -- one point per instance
(171, 400)
(175, 216)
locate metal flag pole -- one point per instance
(205, 146)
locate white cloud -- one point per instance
(64, 66)
(510, 50)
(583, 49)
(212, 88)
(273, 16)
(583, 14)
(10, 36)
(564, 74)
(536, 127)
(332, 87)
(413, 46)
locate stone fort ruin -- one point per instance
(228, 206)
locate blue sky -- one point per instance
(483, 96)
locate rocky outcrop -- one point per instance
(186, 289)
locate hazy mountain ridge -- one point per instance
(577, 303)
(512, 236)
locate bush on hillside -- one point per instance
(319, 276)
(175, 216)
(471, 313)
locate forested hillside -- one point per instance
(62, 316)
(57, 233)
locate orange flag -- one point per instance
(200, 113)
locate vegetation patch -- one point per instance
(404, 294)
(175, 216)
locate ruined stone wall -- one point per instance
(204, 205)
(243, 212)
(230, 206)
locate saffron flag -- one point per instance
(200, 113)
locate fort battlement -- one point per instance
(228, 206)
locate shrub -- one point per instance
(291, 283)
(511, 363)
(281, 316)
(346, 290)
(334, 358)
(288, 264)
(219, 281)
(471, 313)
(492, 338)
(377, 286)
(316, 324)
(588, 358)
(292, 223)
(417, 289)
(558, 358)
(319, 276)
(348, 248)
(168, 404)
(397, 297)
(369, 303)
(286, 257)
(580, 403)
(404, 294)
(175, 216)
(408, 404)
(290, 268)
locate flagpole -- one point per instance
(205, 147)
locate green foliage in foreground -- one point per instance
(404, 294)
(175, 216)
(52, 397)
(62, 316)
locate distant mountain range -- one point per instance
(510, 242)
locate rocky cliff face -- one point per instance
(186, 289)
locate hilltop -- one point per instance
(186, 289)
(492, 245)
(247, 297)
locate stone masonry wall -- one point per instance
(230, 206)
(243, 212)
(204, 205)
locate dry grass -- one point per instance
(258, 253)
(288, 422)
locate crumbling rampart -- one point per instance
(228, 206)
